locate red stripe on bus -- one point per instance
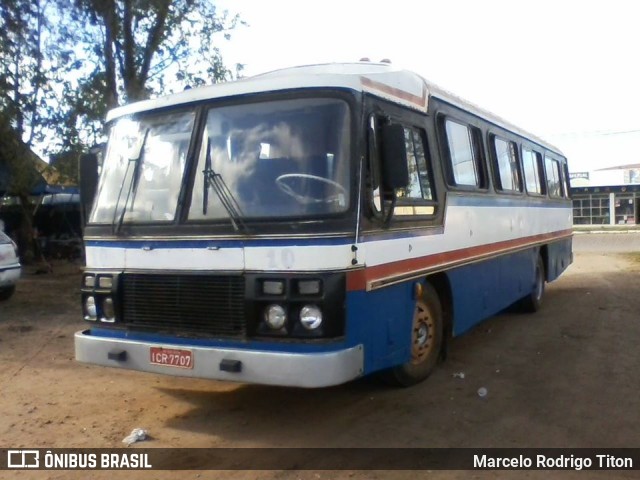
(396, 92)
(360, 279)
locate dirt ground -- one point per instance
(564, 377)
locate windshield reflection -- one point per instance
(277, 159)
(143, 169)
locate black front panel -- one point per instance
(183, 304)
(331, 300)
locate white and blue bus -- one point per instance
(312, 225)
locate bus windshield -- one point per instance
(287, 158)
(274, 159)
(143, 168)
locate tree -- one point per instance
(64, 63)
(128, 50)
(25, 93)
(22, 78)
(132, 49)
(143, 43)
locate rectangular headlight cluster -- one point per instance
(98, 296)
(296, 305)
(101, 281)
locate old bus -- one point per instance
(312, 225)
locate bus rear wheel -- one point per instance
(426, 341)
(532, 302)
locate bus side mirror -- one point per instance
(88, 176)
(395, 171)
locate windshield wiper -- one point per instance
(133, 185)
(215, 181)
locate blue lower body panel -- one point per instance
(381, 320)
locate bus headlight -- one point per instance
(108, 311)
(275, 316)
(310, 317)
(90, 311)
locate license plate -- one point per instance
(172, 357)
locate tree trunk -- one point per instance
(25, 235)
(110, 26)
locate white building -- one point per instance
(621, 175)
(609, 196)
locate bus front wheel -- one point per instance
(426, 341)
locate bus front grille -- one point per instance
(184, 305)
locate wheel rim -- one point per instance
(422, 334)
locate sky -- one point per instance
(567, 71)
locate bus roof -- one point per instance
(380, 79)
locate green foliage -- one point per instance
(66, 165)
(19, 175)
(25, 90)
(134, 49)
(65, 63)
(17, 161)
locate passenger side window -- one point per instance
(463, 154)
(507, 165)
(419, 179)
(554, 178)
(418, 197)
(565, 180)
(531, 164)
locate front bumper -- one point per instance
(308, 370)
(9, 275)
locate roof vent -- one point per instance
(385, 60)
(365, 59)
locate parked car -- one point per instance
(9, 266)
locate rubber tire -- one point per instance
(6, 293)
(533, 301)
(409, 374)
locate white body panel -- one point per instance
(298, 258)
(467, 227)
(281, 258)
(464, 227)
(142, 257)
